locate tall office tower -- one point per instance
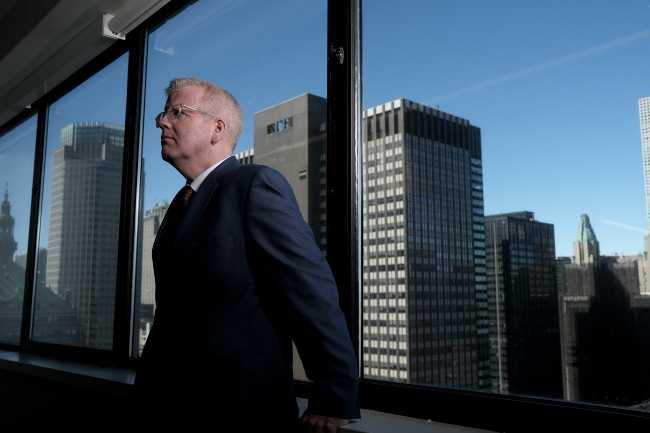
(150, 225)
(424, 275)
(523, 310)
(146, 287)
(84, 226)
(291, 137)
(644, 116)
(605, 328)
(560, 263)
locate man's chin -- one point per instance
(165, 156)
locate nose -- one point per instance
(163, 121)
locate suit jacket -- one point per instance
(238, 277)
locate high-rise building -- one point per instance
(291, 137)
(150, 225)
(84, 227)
(424, 274)
(146, 287)
(605, 326)
(523, 309)
(644, 116)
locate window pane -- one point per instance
(272, 57)
(80, 212)
(16, 172)
(504, 222)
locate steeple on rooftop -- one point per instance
(585, 248)
(585, 232)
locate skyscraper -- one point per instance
(523, 309)
(291, 137)
(150, 225)
(644, 117)
(84, 227)
(424, 275)
(146, 286)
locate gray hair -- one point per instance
(221, 103)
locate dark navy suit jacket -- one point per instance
(238, 277)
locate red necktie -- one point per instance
(186, 195)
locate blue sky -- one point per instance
(554, 87)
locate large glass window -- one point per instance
(272, 58)
(80, 212)
(504, 220)
(16, 172)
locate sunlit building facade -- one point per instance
(424, 276)
(644, 117)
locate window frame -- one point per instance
(344, 96)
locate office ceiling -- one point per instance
(42, 42)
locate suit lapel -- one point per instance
(174, 243)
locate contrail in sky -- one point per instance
(542, 66)
(625, 226)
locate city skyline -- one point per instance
(551, 123)
(546, 118)
(441, 153)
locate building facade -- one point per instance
(424, 275)
(146, 279)
(84, 227)
(644, 117)
(523, 309)
(605, 326)
(291, 137)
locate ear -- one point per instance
(218, 130)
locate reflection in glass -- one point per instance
(81, 208)
(473, 274)
(16, 171)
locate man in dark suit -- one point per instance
(238, 277)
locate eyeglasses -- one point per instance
(175, 113)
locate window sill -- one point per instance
(118, 382)
(113, 381)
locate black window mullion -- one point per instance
(34, 224)
(344, 115)
(125, 307)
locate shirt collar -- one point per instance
(201, 177)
